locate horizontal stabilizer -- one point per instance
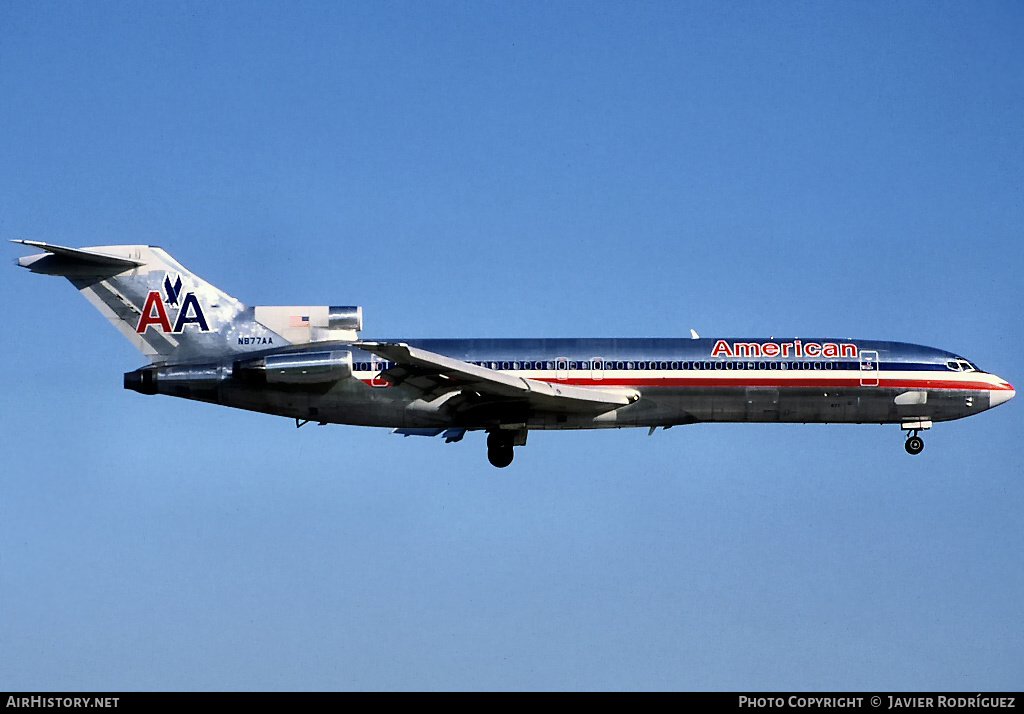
(76, 257)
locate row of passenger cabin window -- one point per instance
(611, 365)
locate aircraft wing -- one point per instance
(436, 374)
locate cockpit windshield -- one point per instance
(961, 365)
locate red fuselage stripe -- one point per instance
(780, 384)
(794, 382)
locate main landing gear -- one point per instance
(499, 448)
(500, 443)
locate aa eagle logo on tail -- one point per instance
(155, 314)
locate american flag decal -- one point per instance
(298, 321)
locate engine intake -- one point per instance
(347, 317)
(311, 323)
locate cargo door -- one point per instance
(762, 404)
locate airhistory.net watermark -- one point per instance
(40, 702)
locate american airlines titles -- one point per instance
(796, 348)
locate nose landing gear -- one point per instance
(912, 425)
(915, 444)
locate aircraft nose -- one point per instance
(1004, 394)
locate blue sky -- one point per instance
(526, 169)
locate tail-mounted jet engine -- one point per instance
(193, 381)
(298, 368)
(202, 381)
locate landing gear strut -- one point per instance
(915, 444)
(912, 425)
(499, 448)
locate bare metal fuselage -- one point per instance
(678, 382)
(309, 363)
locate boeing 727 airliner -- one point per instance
(309, 363)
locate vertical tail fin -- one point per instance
(167, 312)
